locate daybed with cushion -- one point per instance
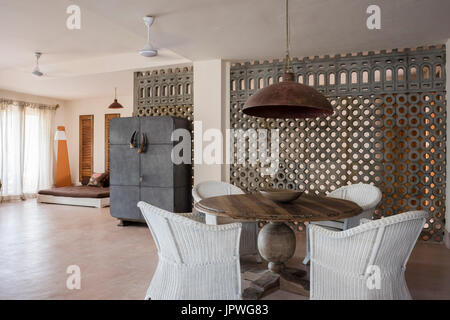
(88, 196)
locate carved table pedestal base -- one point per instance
(276, 244)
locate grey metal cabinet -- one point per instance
(150, 176)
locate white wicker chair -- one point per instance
(344, 264)
(196, 260)
(364, 195)
(249, 234)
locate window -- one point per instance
(26, 148)
(86, 146)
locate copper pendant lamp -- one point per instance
(115, 104)
(288, 99)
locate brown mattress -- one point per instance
(77, 192)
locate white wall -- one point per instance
(211, 82)
(98, 107)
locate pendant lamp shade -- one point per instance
(288, 99)
(115, 104)
(60, 135)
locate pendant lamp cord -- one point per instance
(287, 63)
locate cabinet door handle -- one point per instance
(140, 179)
(132, 144)
(143, 143)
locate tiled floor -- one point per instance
(39, 241)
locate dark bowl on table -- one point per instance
(281, 195)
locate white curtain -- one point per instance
(26, 148)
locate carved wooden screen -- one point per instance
(86, 142)
(388, 129)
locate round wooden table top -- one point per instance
(256, 207)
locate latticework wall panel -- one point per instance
(162, 88)
(388, 129)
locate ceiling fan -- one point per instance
(51, 73)
(37, 72)
(148, 50)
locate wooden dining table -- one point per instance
(276, 240)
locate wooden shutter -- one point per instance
(86, 145)
(108, 118)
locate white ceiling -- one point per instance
(91, 61)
